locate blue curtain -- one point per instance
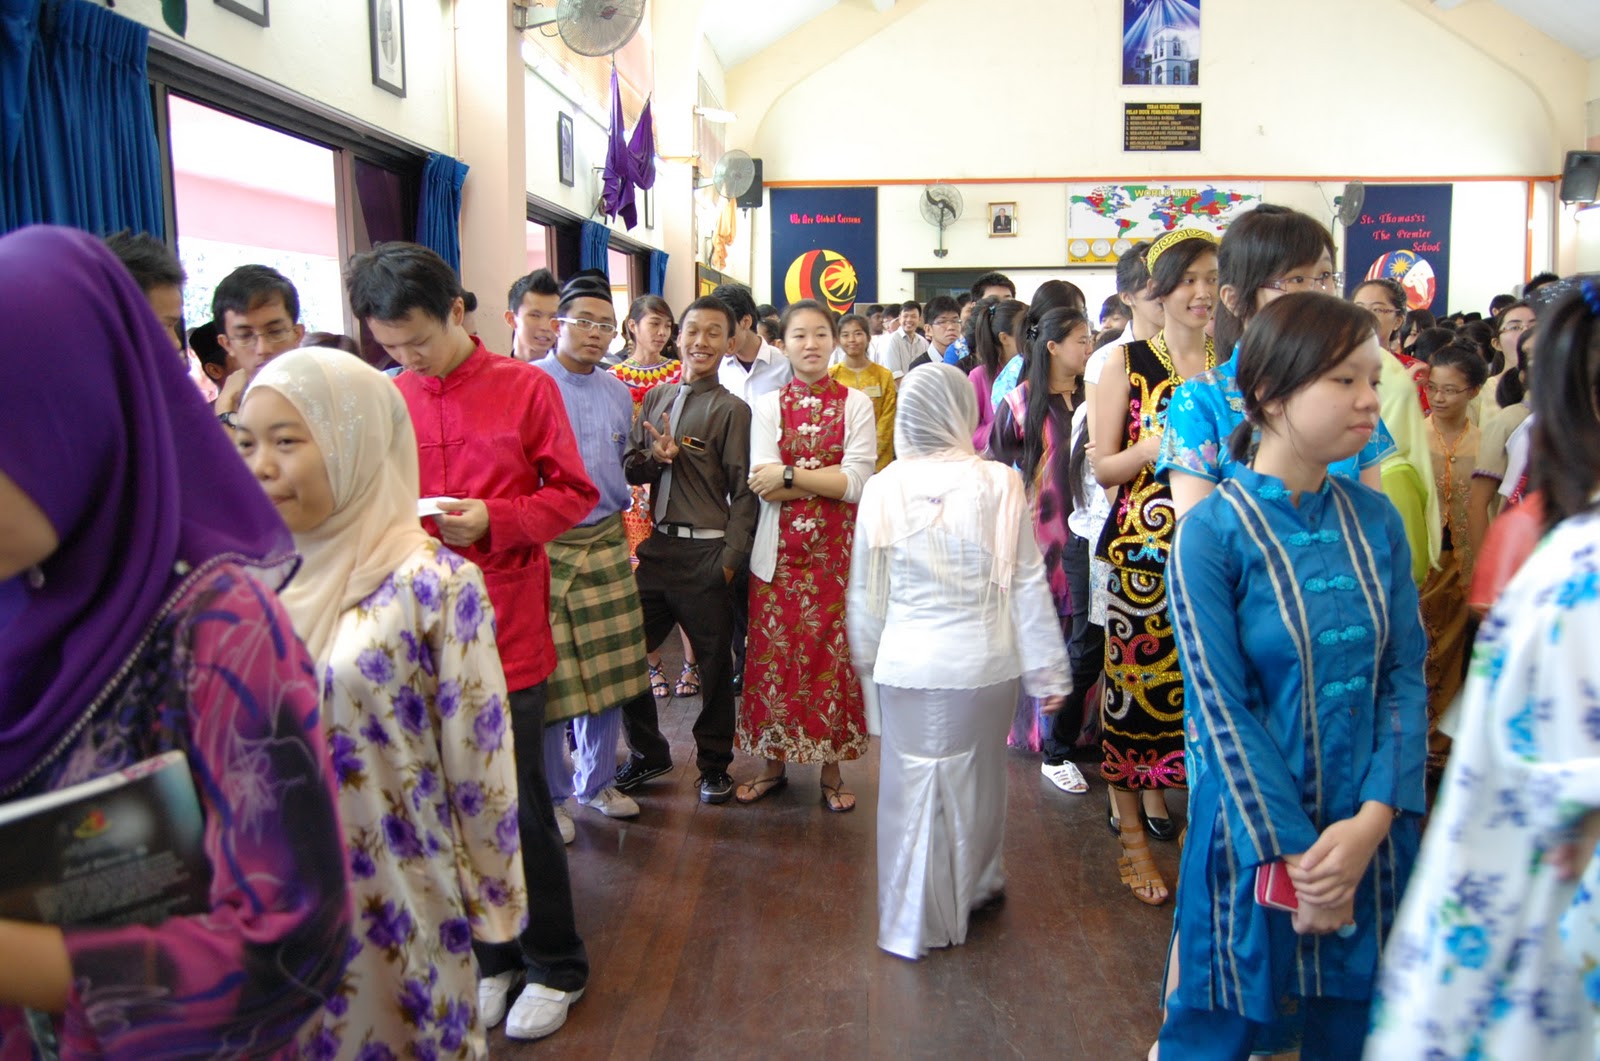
(593, 247)
(76, 128)
(439, 212)
(658, 272)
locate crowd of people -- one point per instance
(1327, 563)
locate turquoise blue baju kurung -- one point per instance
(1302, 654)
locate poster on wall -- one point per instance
(825, 246)
(1104, 220)
(1160, 42)
(1403, 234)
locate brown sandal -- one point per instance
(1138, 868)
(759, 789)
(833, 797)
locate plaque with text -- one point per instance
(1161, 127)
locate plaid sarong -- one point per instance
(596, 623)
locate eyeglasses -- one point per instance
(1378, 309)
(947, 321)
(1321, 281)
(583, 324)
(1444, 392)
(278, 333)
(1515, 326)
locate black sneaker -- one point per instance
(738, 682)
(715, 787)
(636, 772)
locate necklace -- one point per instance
(1447, 481)
(1158, 343)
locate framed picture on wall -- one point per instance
(254, 10)
(1002, 219)
(388, 45)
(566, 171)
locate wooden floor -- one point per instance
(749, 932)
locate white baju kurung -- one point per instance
(947, 646)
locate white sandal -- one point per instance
(1065, 776)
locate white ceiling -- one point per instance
(1575, 23)
(738, 29)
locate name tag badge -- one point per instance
(690, 442)
(872, 391)
(617, 437)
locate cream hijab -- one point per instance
(360, 422)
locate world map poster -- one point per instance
(1104, 220)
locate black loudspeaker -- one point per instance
(1580, 177)
(752, 199)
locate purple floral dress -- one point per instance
(223, 679)
(414, 707)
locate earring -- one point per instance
(36, 577)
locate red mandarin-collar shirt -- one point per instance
(495, 429)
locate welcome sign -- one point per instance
(825, 246)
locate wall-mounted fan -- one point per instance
(941, 207)
(588, 27)
(733, 174)
(1347, 206)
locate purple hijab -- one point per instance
(102, 428)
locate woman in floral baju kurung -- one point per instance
(413, 704)
(813, 445)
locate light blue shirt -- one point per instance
(601, 412)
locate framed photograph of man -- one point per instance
(565, 170)
(387, 28)
(1002, 219)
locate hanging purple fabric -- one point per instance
(630, 162)
(617, 182)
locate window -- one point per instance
(619, 266)
(244, 193)
(538, 245)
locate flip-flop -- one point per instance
(773, 784)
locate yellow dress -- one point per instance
(1444, 594)
(877, 383)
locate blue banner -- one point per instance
(1403, 233)
(825, 246)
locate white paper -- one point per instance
(429, 506)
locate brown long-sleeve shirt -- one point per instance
(710, 477)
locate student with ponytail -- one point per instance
(1298, 632)
(1268, 253)
(997, 330)
(1033, 432)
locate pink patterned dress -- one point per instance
(802, 701)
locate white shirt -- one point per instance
(769, 371)
(951, 632)
(1087, 521)
(896, 351)
(1097, 360)
(860, 458)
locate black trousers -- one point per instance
(1086, 647)
(549, 949)
(681, 583)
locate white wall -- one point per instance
(322, 51)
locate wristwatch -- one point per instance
(230, 419)
(788, 477)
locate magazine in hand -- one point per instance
(123, 849)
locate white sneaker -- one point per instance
(611, 802)
(569, 832)
(1065, 776)
(492, 992)
(539, 1010)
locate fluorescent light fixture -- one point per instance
(716, 115)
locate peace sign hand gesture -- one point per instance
(663, 447)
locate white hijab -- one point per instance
(360, 422)
(936, 411)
